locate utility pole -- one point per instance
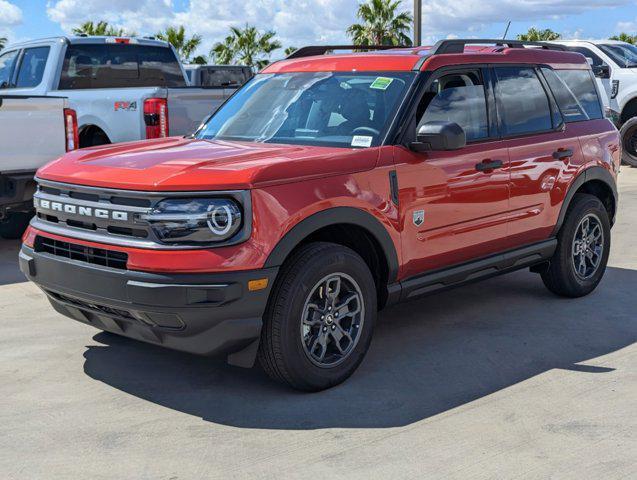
(417, 22)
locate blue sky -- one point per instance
(300, 22)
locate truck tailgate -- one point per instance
(31, 131)
(189, 106)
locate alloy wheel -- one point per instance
(588, 246)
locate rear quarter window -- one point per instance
(120, 66)
(582, 85)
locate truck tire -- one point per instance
(304, 343)
(628, 134)
(14, 225)
(579, 262)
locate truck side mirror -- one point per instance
(439, 136)
(601, 71)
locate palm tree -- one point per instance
(100, 28)
(3, 42)
(289, 51)
(382, 24)
(177, 38)
(535, 35)
(625, 37)
(199, 60)
(246, 46)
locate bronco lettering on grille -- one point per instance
(80, 210)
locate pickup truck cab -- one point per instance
(615, 64)
(52, 131)
(328, 187)
(123, 89)
(228, 77)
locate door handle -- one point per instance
(562, 153)
(487, 165)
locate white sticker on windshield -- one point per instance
(361, 141)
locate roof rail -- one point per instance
(457, 45)
(323, 49)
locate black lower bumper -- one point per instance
(206, 314)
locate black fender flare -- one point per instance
(332, 216)
(592, 173)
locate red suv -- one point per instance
(328, 187)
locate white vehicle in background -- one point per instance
(615, 65)
(123, 89)
(33, 131)
(228, 77)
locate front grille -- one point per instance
(81, 253)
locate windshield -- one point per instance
(324, 109)
(624, 55)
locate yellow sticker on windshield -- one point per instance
(381, 83)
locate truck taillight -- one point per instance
(72, 139)
(156, 117)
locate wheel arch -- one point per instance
(88, 130)
(595, 181)
(629, 111)
(351, 227)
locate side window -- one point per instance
(459, 98)
(523, 105)
(572, 109)
(588, 53)
(7, 63)
(582, 84)
(32, 66)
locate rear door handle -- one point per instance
(487, 165)
(562, 153)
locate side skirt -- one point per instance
(481, 269)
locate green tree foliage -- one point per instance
(381, 24)
(625, 37)
(245, 46)
(184, 45)
(3, 42)
(99, 29)
(535, 35)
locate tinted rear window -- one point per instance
(522, 102)
(32, 66)
(120, 65)
(582, 84)
(223, 77)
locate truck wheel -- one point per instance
(628, 135)
(15, 225)
(579, 262)
(319, 321)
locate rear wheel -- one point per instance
(628, 135)
(320, 318)
(14, 225)
(579, 262)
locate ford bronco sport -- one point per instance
(328, 187)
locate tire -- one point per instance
(94, 138)
(566, 275)
(628, 134)
(15, 225)
(290, 349)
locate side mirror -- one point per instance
(439, 136)
(601, 71)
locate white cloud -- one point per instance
(302, 22)
(628, 27)
(10, 16)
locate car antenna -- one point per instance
(506, 31)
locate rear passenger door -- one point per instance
(542, 150)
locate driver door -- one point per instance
(453, 204)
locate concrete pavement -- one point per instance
(499, 379)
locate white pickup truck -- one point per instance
(123, 89)
(33, 131)
(615, 65)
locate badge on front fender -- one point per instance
(419, 217)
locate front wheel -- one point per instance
(319, 321)
(579, 262)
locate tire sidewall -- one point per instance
(297, 362)
(587, 205)
(628, 130)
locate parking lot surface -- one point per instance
(499, 379)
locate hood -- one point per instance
(179, 164)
